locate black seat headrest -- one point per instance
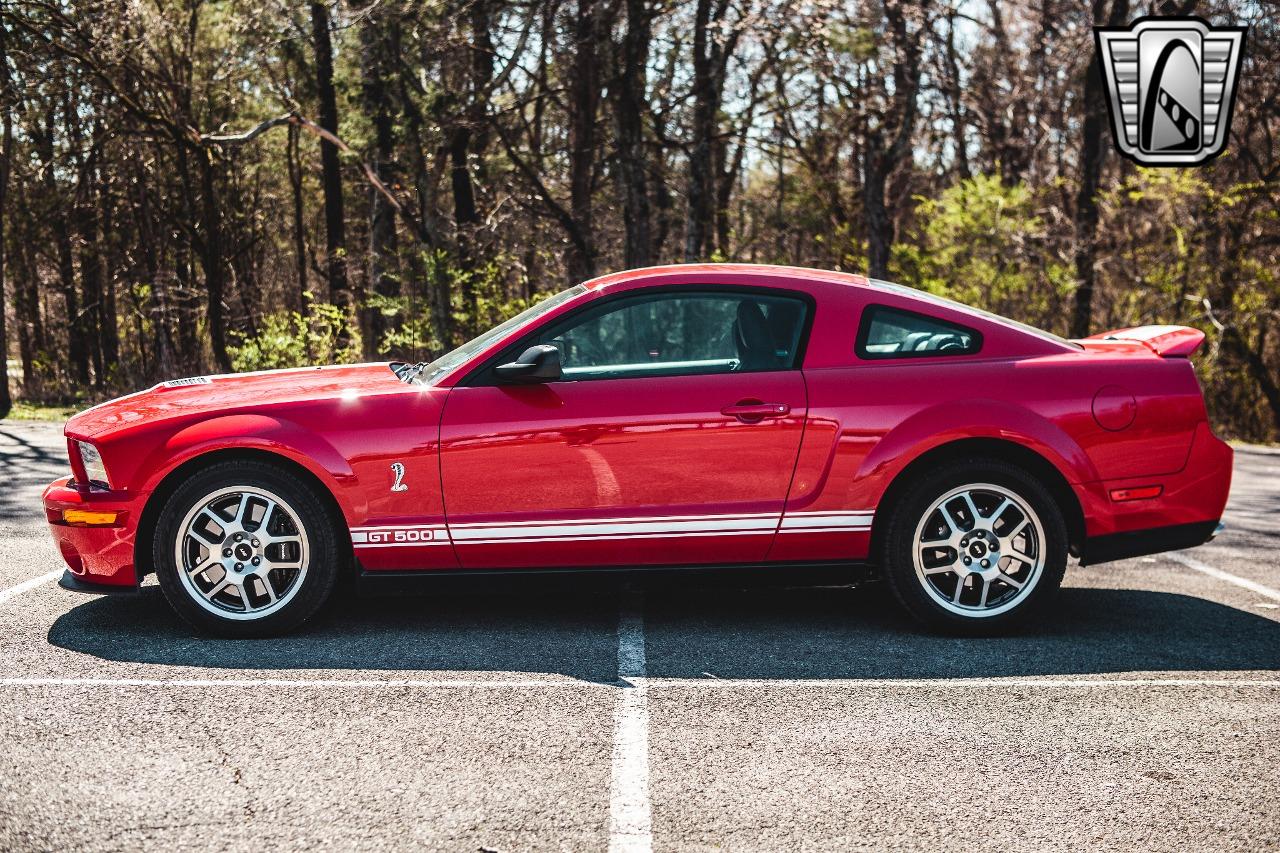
(754, 338)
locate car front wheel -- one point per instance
(975, 548)
(246, 549)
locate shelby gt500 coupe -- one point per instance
(723, 417)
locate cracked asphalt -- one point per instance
(1144, 715)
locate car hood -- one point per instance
(234, 392)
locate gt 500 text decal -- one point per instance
(399, 536)
(594, 529)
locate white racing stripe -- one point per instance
(610, 537)
(615, 529)
(597, 529)
(629, 816)
(465, 537)
(1253, 586)
(624, 520)
(822, 522)
(14, 591)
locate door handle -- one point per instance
(753, 411)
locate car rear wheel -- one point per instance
(976, 547)
(246, 549)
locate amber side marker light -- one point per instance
(89, 517)
(1136, 493)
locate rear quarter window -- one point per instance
(886, 333)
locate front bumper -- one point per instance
(75, 584)
(97, 556)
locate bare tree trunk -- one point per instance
(584, 102)
(108, 327)
(88, 228)
(425, 272)
(468, 129)
(26, 310)
(378, 49)
(698, 216)
(955, 102)
(713, 45)
(880, 229)
(663, 201)
(331, 171)
(6, 165)
(889, 143)
(1092, 153)
(629, 111)
(299, 226)
(77, 352)
(165, 356)
(212, 260)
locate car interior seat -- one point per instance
(754, 339)
(914, 341)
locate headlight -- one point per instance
(94, 469)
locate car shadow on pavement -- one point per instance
(833, 634)
(758, 634)
(466, 633)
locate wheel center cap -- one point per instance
(243, 551)
(978, 549)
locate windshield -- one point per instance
(951, 303)
(442, 365)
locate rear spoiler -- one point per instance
(1164, 341)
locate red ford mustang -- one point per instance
(688, 417)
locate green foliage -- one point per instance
(24, 410)
(982, 242)
(288, 339)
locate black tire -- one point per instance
(897, 548)
(327, 552)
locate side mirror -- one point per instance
(540, 363)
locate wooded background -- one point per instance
(196, 185)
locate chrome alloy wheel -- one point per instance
(979, 550)
(242, 553)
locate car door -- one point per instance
(670, 438)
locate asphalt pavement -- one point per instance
(1144, 715)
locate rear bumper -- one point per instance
(1139, 543)
(1184, 514)
(98, 556)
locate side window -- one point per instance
(893, 333)
(681, 333)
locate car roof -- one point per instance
(921, 297)
(771, 270)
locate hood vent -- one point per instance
(182, 383)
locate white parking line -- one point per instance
(949, 683)
(635, 687)
(629, 818)
(307, 683)
(14, 591)
(1245, 583)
